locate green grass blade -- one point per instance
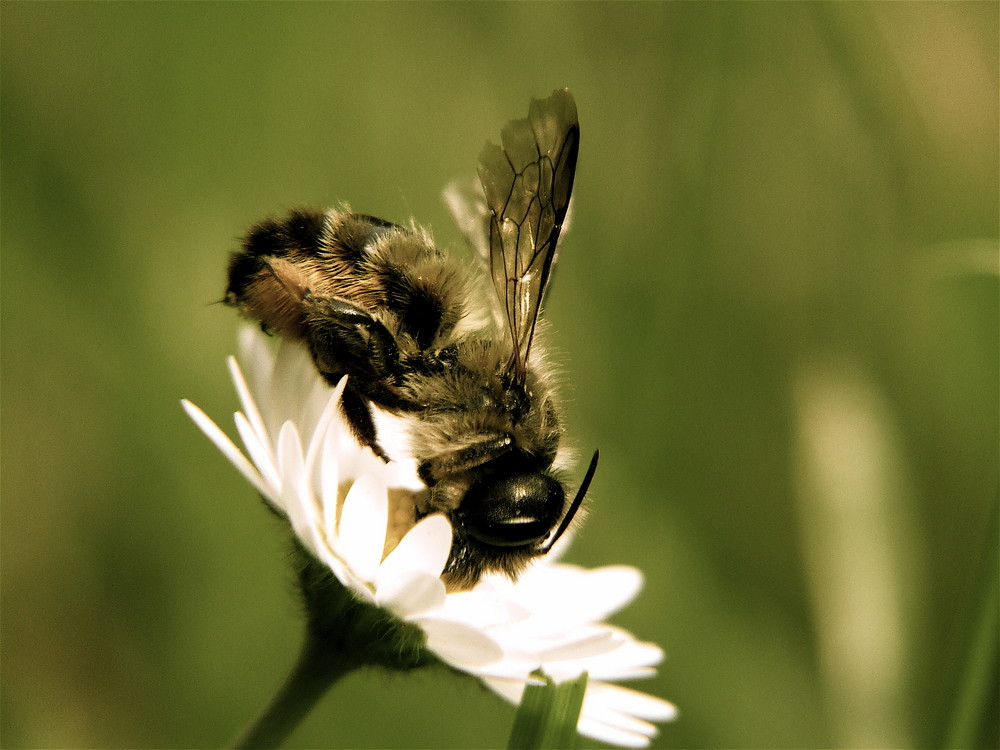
(547, 715)
(971, 721)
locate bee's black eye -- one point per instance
(512, 511)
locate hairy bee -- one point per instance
(379, 303)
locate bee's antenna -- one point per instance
(577, 501)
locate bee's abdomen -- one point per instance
(266, 280)
(299, 232)
(400, 276)
(395, 274)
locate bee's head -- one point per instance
(518, 510)
(506, 519)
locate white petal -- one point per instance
(610, 711)
(561, 671)
(484, 609)
(297, 500)
(625, 700)
(610, 735)
(411, 593)
(329, 480)
(261, 456)
(340, 570)
(316, 454)
(576, 595)
(290, 462)
(621, 721)
(356, 461)
(633, 660)
(316, 396)
(361, 537)
(357, 585)
(425, 548)
(584, 643)
(229, 450)
(257, 357)
(599, 668)
(393, 436)
(291, 381)
(403, 474)
(510, 669)
(457, 644)
(569, 670)
(625, 659)
(618, 584)
(250, 408)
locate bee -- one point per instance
(380, 304)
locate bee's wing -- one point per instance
(527, 185)
(465, 203)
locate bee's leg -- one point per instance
(435, 469)
(358, 413)
(344, 338)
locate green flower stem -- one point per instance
(342, 633)
(316, 670)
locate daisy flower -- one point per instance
(353, 515)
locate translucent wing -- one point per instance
(527, 185)
(464, 200)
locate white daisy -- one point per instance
(353, 513)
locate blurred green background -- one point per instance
(777, 310)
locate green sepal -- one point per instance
(346, 624)
(343, 632)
